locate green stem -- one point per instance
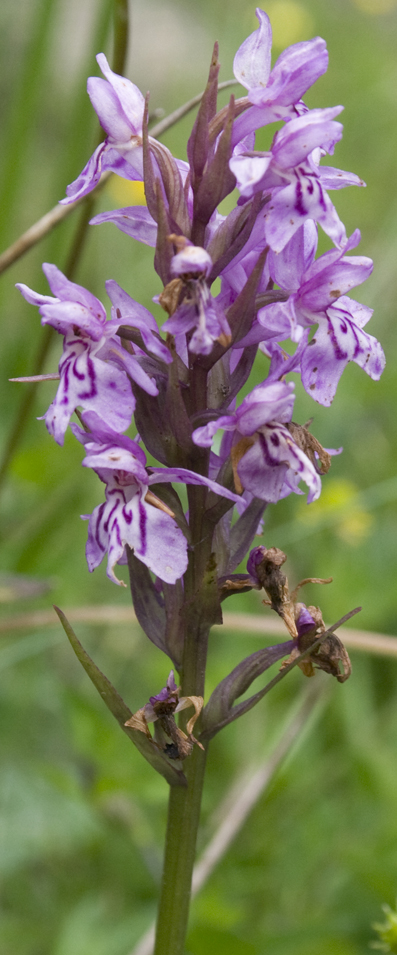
(200, 611)
(183, 819)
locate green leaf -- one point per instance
(120, 710)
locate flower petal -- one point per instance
(251, 65)
(135, 221)
(337, 341)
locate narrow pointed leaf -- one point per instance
(120, 710)
(173, 188)
(197, 147)
(218, 180)
(163, 253)
(238, 681)
(219, 710)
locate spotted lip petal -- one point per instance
(128, 516)
(94, 369)
(264, 468)
(337, 341)
(126, 519)
(272, 465)
(88, 382)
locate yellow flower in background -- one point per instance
(126, 193)
(354, 528)
(291, 22)
(351, 521)
(375, 7)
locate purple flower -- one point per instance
(275, 93)
(94, 367)
(199, 310)
(255, 557)
(305, 622)
(126, 311)
(190, 260)
(168, 693)
(119, 105)
(291, 173)
(135, 221)
(321, 298)
(266, 460)
(132, 515)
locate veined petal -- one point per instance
(337, 341)
(300, 136)
(154, 536)
(292, 205)
(251, 65)
(130, 97)
(109, 110)
(135, 221)
(92, 384)
(296, 69)
(184, 476)
(88, 178)
(264, 467)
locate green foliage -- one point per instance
(81, 813)
(387, 931)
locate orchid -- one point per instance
(119, 105)
(133, 516)
(199, 310)
(320, 299)
(151, 393)
(266, 459)
(94, 369)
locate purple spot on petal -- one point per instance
(299, 204)
(128, 517)
(142, 527)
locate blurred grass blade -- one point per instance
(27, 647)
(23, 109)
(120, 710)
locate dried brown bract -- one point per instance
(311, 447)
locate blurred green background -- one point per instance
(82, 816)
